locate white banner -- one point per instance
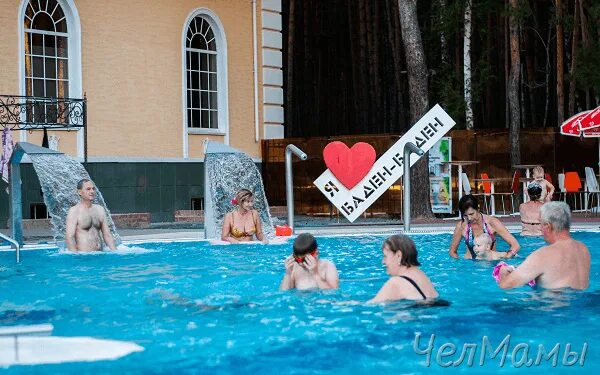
(387, 169)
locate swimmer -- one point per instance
(547, 188)
(304, 269)
(483, 249)
(86, 222)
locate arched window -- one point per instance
(46, 47)
(202, 83)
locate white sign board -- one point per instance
(387, 169)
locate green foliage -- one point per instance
(447, 88)
(587, 74)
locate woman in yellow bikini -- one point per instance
(243, 223)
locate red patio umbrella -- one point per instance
(591, 120)
(572, 126)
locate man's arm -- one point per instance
(529, 270)
(71, 224)
(108, 238)
(312, 264)
(288, 278)
(331, 276)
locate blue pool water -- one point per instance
(201, 308)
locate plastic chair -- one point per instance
(514, 192)
(466, 184)
(487, 186)
(572, 185)
(593, 190)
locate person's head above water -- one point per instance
(534, 190)
(403, 249)
(86, 189)
(81, 182)
(243, 195)
(304, 244)
(482, 244)
(468, 204)
(557, 214)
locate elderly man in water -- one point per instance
(86, 222)
(564, 263)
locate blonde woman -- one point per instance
(243, 223)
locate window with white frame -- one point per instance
(46, 42)
(201, 75)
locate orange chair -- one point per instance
(487, 191)
(572, 186)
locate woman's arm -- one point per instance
(226, 230)
(506, 236)
(455, 240)
(258, 225)
(386, 293)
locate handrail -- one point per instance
(409, 148)
(14, 243)
(289, 180)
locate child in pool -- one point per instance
(304, 269)
(483, 248)
(547, 187)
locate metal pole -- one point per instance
(85, 140)
(289, 180)
(409, 148)
(16, 210)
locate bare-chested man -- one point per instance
(564, 263)
(86, 222)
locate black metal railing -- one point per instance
(38, 113)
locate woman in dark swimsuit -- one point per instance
(407, 281)
(473, 224)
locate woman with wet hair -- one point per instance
(474, 223)
(243, 223)
(530, 211)
(407, 281)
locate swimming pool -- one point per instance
(197, 307)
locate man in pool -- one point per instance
(564, 263)
(304, 269)
(86, 222)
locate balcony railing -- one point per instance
(38, 113)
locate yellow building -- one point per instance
(159, 76)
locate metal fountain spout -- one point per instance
(289, 181)
(16, 202)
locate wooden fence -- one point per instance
(545, 146)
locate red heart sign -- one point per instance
(349, 165)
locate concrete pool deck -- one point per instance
(315, 225)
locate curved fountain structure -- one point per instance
(226, 170)
(58, 175)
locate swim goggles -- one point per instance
(300, 259)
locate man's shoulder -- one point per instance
(327, 263)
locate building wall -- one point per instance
(132, 75)
(132, 69)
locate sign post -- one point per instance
(387, 169)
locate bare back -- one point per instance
(564, 264)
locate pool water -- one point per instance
(197, 307)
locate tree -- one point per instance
(419, 102)
(513, 84)
(467, 66)
(560, 63)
